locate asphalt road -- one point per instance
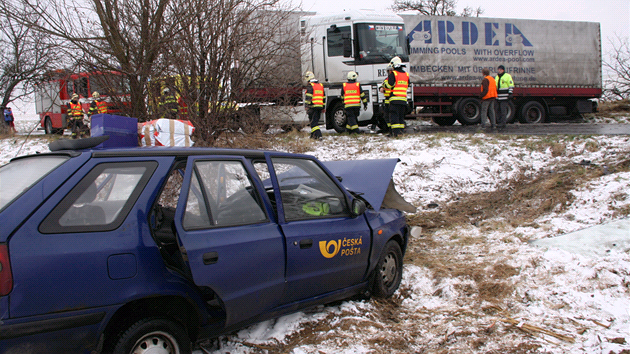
(528, 129)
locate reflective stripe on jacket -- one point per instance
(399, 92)
(315, 95)
(75, 110)
(101, 106)
(388, 92)
(351, 94)
(505, 86)
(492, 88)
(97, 106)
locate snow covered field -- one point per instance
(482, 287)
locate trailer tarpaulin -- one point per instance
(454, 50)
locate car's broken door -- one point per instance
(231, 244)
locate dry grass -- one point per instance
(520, 201)
(620, 106)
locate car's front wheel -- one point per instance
(388, 273)
(154, 335)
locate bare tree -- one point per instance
(225, 49)
(127, 36)
(617, 86)
(26, 55)
(435, 8)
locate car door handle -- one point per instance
(210, 258)
(307, 243)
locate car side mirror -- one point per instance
(358, 207)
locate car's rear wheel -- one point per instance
(388, 273)
(154, 335)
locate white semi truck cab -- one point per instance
(363, 41)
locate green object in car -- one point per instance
(316, 208)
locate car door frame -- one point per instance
(309, 272)
(248, 281)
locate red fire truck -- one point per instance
(53, 94)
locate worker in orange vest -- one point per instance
(398, 82)
(75, 117)
(98, 106)
(488, 99)
(352, 97)
(314, 103)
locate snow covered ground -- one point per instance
(532, 294)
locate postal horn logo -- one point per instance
(325, 248)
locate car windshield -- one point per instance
(379, 43)
(18, 176)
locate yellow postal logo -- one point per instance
(347, 247)
(325, 247)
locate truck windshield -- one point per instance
(18, 176)
(379, 43)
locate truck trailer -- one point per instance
(556, 65)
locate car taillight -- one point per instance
(6, 279)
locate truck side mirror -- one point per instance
(358, 207)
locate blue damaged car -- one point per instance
(149, 250)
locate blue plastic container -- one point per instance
(122, 131)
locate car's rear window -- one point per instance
(18, 176)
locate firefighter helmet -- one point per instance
(352, 75)
(74, 96)
(165, 91)
(308, 76)
(95, 94)
(396, 62)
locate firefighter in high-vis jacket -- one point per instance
(387, 94)
(398, 82)
(98, 105)
(168, 107)
(314, 101)
(75, 117)
(505, 89)
(352, 99)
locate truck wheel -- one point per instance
(339, 119)
(48, 128)
(511, 113)
(444, 121)
(388, 272)
(469, 111)
(154, 335)
(532, 113)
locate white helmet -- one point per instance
(165, 91)
(95, 94)
(396, 62)
(352, 75)
(308, 76)
(74, 96)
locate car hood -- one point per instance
(373, 180)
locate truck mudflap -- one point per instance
(372, 179)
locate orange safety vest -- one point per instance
(75, 111)
(492, 88)
(318, 95)
(101, 106)
(399, 92)
(352, 94)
